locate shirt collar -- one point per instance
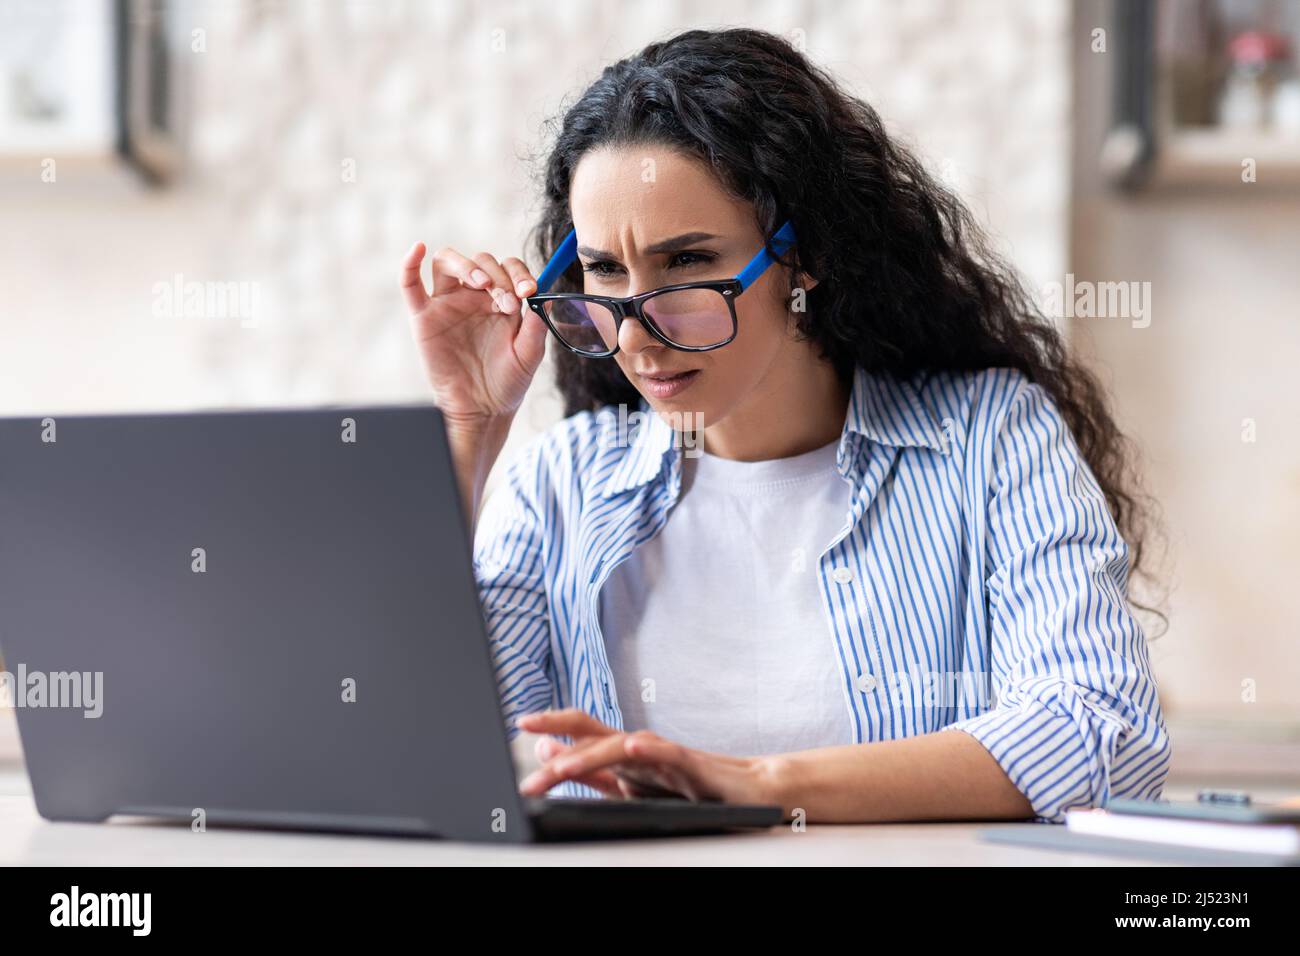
(890, 411)
(884, 409)
(653, 440)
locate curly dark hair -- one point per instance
(779, 132)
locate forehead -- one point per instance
(643, 193)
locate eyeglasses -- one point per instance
(690, 316)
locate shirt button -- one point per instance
(842, 575)
(866, 683)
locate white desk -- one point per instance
(29, 840)
(26, 839)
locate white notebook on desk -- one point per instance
(1280, 839)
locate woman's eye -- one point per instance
(602, 269)
(687, 259)
(681, 260)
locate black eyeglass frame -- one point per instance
(633, 307)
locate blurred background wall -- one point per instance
(1206, 383)
(321, 139)
(325, 137)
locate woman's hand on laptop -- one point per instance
(639, 764)
(480, 347)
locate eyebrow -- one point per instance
(675, 244)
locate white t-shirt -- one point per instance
(715, 628)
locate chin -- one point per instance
(683, 414)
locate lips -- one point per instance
(661, 383)
(662, 373)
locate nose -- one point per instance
(633, 337)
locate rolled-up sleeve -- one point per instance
(1076, 719)
(510, 568)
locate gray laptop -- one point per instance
(265, 618)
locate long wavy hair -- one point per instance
(908, 282)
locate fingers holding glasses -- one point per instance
(452, 270)
(501, 284)
(522, 280)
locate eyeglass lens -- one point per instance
(694, 318)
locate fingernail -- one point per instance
(478, 277)
(523, 285)
(509, 303)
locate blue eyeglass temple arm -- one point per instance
(781, 240)
(561, 260)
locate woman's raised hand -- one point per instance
(479, 345)
(480, 348)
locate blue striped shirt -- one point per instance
(978, 582)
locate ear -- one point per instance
(807, 282)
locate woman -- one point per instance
(849, 537)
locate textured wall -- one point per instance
(439, 107)
(434, 112)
